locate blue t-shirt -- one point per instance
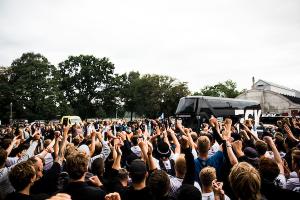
(215, 161)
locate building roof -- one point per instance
(297, 93)
(292, 99)
(276, 85)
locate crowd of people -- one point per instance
(150, 159)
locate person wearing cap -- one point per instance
(165, 156)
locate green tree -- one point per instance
(34, 90)
(151, 95)
(226, 89)
(89, 85)
(5, 94)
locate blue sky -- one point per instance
(200, 42)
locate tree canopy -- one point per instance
(83, 85)
(225, 89)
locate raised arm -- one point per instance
(189, 176)
(93, 143)
(175, 140)
(289, 133)
(248, 131)
(117, 159)
(232, 158)
(277, 156)
(12, 144)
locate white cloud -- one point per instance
(202, 42)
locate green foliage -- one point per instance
(89, 85)
(226, 89)
(33, 87)
(151, 95)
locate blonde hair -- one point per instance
(227, 121)
(203, 144)
(207, 175)
(180, 165)
(245, 181)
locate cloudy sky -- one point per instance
(201, 42)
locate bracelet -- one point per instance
(228, 146)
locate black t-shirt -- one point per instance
(82, 191)
(19, 196)
(48, 183)
(144, 194)
(270, 191)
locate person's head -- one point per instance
(296, 160)
(84, 149)
(97, 167)
(279, 142)
(46, 143)
(38, 165)
(159, 183)
(22, 175)
(138, 171)
(207, 175)
(268, 169)
(203, 144)
(189, 192)
(180, 166)
(228, 121)
(134, 140)
(77, 166)
(248, 123)
(261, 147)
(70, 150)
(123, 176)
(163, 150)
(3, 157)
(98, 148)
(245, 181)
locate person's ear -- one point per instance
(147, 174)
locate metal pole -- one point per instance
(10, 118)
(116, 113)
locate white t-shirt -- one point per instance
(211, 196)
(293, 183)
(167, 163)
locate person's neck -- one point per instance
(207, 189)
(139, 186)
(203, 155)
(82, 179)
(181, 176)
(25, 191)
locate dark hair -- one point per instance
(279, 142)
(123, 174)
(134, 140)
(20, 176)
(189, 192)
(97, 167)
(268, 169)
(261, 147)
(76, 166)
(159, 183)
(3, 156)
